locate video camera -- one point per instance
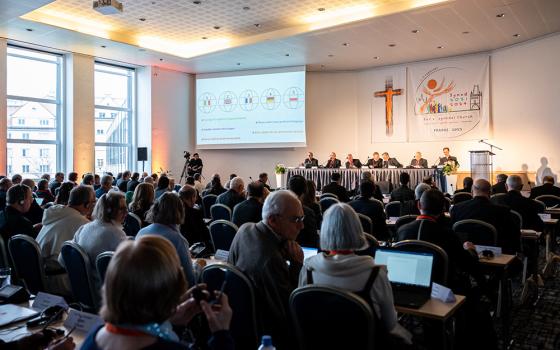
(187, 155)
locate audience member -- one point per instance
(46, 177)
(403, 193)
(12, 219)
(155, 178)
(193, 227)
(547, 188)
(309, 199)
(122, 183)
(411, 207)
(16, 179)
(500, 185)
(235, 194)
(73, 177)
(214, 186)
(372, 208)
(106, 186)
(307, 236)
(131, 185)
(142, 201)
(149, 180)
(335, 188)
(35, 212)
(60, 223)
(56, 182)
(64, 193)
(139, 312)
(250, 210)
(5, 184)
(467, 185)
(166, 214)
(263, 178)
(96, 181)
(198, 185)
(162, 186)
(43, 191)
(88, 180)
(261, 250)
(231, 177)
(338, 266)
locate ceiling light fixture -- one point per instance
(103, 46)
(335, 17)
(440, 47)
(321, 9)
(197, 2)
(258, 25)
(501, 15)
(246, 8)
(142, 19)
(331, 55)
(204, 37)
(287, 55)
(161, 59)
(29, 29)
(376, 57)
(415, 31)
(346, 44)
(392, 45)
(516, 35)
(217, 27)
(466, 32)
(238, 63)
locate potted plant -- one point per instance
(280, 171)
(450, 171)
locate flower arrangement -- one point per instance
(280, 169)
(449, 167)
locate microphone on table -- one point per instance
(250, 178)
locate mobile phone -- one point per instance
(219, 296)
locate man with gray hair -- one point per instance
(261, 250)
(235, 194)
(500, 185)
(547, 188)
(106, 186)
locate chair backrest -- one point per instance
(541, 207)
(241, 295)
(403, 220)
(102, 262)
(476, 231)
(28, 262)
(4, 261)
(440, 268)
(354, 322)
(207, 202)
(497, 195)
(132, 224)
(222, 233)
(549, 200)
(328, 194)
(373, 244)
(393, 209)
(517, 218)
(386, 187)
(326, 202)
(367, 224)
(77, 265)
(220, 212)
(461, 197)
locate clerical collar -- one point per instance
(426, 217)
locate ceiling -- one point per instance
(345, 35)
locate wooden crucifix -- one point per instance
(388, 94)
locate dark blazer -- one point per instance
(337, 189)
(333, 164)
(249, 210)
(260, 254)
(375, 163)
(442, 160)
(308, 236)
(391, 162)
(230, 198)
(544, 189)
(480, 208)
(423, 163)
(122, 184)
(528, 209)
(373, 209)
(131, 185)
(12, 223)
(312, 161)
(193, 228)
(403, 193)
(499, 187)
(355, 162)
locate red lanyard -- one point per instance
(426, 217)
(343, 252)
(111, 328)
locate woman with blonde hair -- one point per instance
(142, 200)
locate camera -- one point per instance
(187, 155)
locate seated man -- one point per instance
(500, 185)
(261, 250)
(5, 184)
(12, 219)
(308, 236)
(352, 163)
(310, 161)
(235, 194)
(410, 207)
(467, 185)
(546, 188)
(106, 186)
(366, 175)
(447, 158)
(333, 162)
(375, 162)
(403, 193)
(250, 210)
(373, 209)
(263, 179)
(480, 208)
(418, 161)
(388, 161)
(335, 188)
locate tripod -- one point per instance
(184, 172)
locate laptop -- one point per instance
(309, 252)
(410, 274)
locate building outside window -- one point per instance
(34, 111)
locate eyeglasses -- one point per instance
(295, 219)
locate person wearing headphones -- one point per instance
(12, 219)
(60, 223)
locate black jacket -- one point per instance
(545, 189)
(375, 163)
(333, 163)
(402, 194)
(528, 209)
(373, 209)
(249, 210)
(230, 198)
(337, 189)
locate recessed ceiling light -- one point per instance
(142, 50)
(322, 66)
(29, 29)
(197, 2)
(258, 25)
(440, 47)
(345, 44)
(142, 19)
(161, 59)
(392, 45)
(415, 31)
(246, 8)
(376, 57)
(287, 55)
(501, 15)
(217, 27)
(331, 55)
(238, 63)
(103, 46)
(321, 9)
(516, 35)
(204, 37)
(466, 32)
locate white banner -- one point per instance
(449, 99)
(388, 105)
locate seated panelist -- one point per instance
(352, 163)
(333, 162)
(388, 161)
(446, 157)
(310, 161)
(418, 161)
(375, 162)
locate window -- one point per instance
(34, 110)
(44, 168)
(114, 96)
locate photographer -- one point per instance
(195, 164)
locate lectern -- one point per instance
(481, 165)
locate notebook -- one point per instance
(11, 313)
(410, 274)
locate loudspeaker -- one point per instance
(142, 154)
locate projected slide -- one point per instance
(253, 109)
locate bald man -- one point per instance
(481, 208)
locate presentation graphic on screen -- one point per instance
(252, 109)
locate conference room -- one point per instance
(279, 146)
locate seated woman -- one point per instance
(339, 266)
(193, 227)
(142, 200)
(166, 214)
(145, 292)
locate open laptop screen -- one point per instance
(409, 268)
(309, 252)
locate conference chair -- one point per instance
(461, 197)
(367, 224)
(497, 196)
(312, 309)
(371, 248)
(328, 195)
(132, 224)
(403, 220)
(326, 202)
(220, 212)
(386, 187)
(239, 289)
(549, 200)
(441, 260)
(222, 233)
(517, 219)
(208, 201)
(102, 262)
(78, 267)
(393, 209)
(28, 262)
(4, 260)
(448, 203)
(476, 231)
(541, 207)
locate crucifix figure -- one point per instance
(388, 94)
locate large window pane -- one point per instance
(111, 159)
(28, 77)
(29, 120)
(111, 89)
(31, 160)
(111, 126)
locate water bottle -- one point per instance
(266, 343)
